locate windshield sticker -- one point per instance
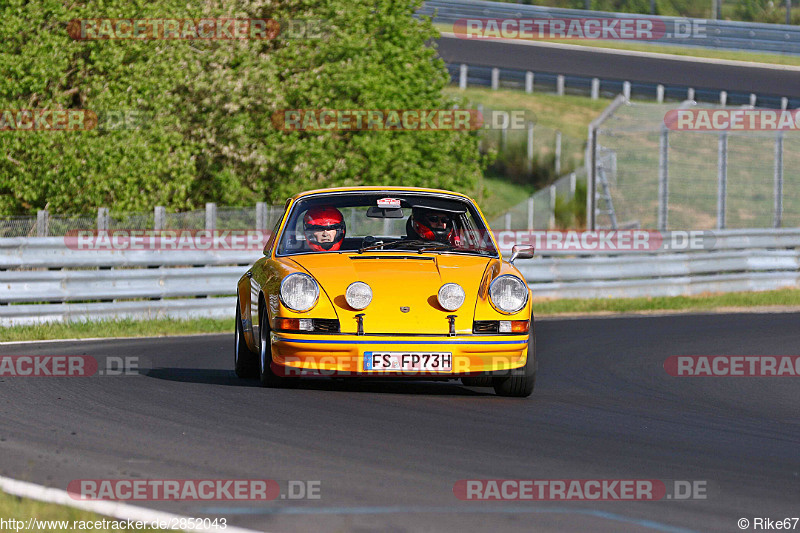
(389, 202)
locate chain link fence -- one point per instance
(560, 205)
(530, 152)
(649, 176)
(260, 216)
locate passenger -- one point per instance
(431, 225)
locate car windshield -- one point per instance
(384, 221)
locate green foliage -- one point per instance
(209, 136)
(751, 9)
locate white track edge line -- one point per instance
(116, 510)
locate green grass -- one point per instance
(496, 195)
(13, 507)
(734, 300)
(569, 114)
(116, 328)
(733, 55)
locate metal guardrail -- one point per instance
(482, 76)
(718, 33)
(41, 280)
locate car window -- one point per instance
(369, 219)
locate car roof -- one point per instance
(387, 189)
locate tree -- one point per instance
(207, 133)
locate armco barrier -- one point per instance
(717, 33)
(41, 280)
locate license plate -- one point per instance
(408, 361)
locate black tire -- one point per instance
(245, 362)
(521, 382)
(479, 381)
(266, 375)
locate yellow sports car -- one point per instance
(396, 282)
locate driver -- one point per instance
(431, 225)
(324, 228)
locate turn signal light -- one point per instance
(513, 326)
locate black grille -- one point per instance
(328, 325)
(485, 326)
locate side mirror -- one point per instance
(521, 251)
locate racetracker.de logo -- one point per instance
(732, 120)
(733, 365)
(47, 119)
(377, 119)
(168, 240)
(559, 489)
(68, 366)
(173, 29)
(174, 489)
(580, 241)
(48, 365)
(635, 29)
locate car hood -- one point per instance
(399, 281)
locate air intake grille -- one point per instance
(485, 326)
(328, 325)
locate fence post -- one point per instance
(262, 214)
(690, 93)
(508, 221)
(42, 222)
(211, 216)
(504, 136)
(659, 94)
(495, 78)
(595, 88)
(663, 179)
(722, 178)
(530, 213)
(552, 222)
(778, 172)
(462, 76)
(784, 103)
(753, 99)
(626, 90)
(159, 217)
(591, 174)
(560, 85)
(573, 183)
(529, 153)
(558, 154)
(479, 107)
(723, 98)
(529, 82)
(102, 219)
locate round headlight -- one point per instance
(451, 296)
(358, 295)
(508, 294)
(299, 292)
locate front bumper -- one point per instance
(295, 354)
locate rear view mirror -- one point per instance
(384, 212)
(521, 251)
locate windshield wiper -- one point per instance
(394, 244)
(433, 246)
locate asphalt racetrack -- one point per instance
(612, 64)
(387, 454)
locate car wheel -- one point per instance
(245, 361)
(522, 380)
(267, 376)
